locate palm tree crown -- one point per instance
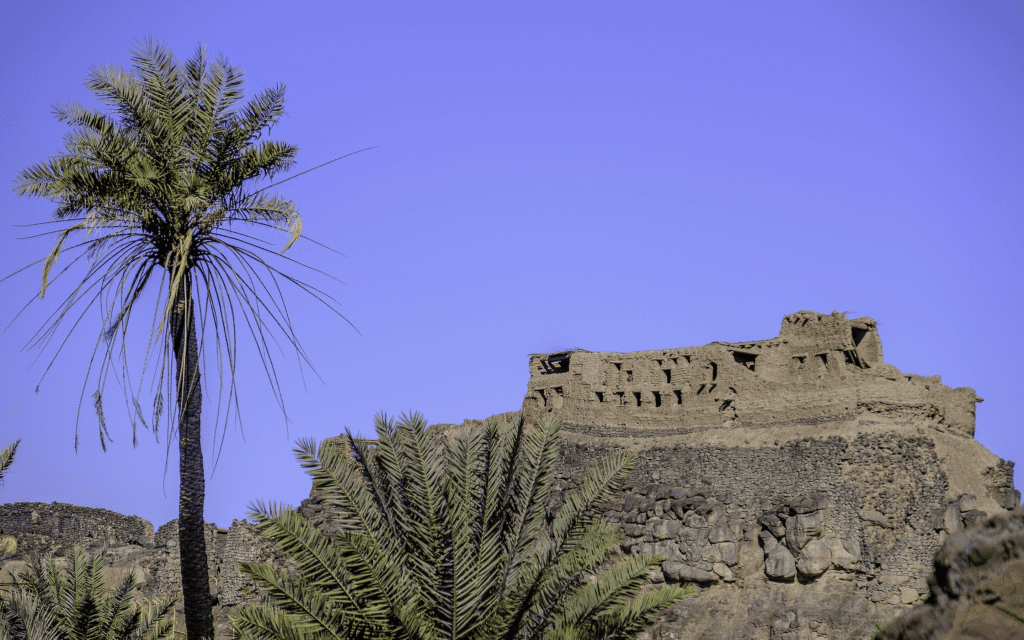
(451, 539)
(160, 192)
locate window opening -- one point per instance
(556, 363)
(629, 376)
(657, 399)
(668, 375)
(599, 396)
(679, 396)
(543, 398)
(700, 388)
(636, 394)
(746, 359)
(725, 405)
(714, 371)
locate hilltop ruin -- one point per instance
(801, 481)
(819, 365)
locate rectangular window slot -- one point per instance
(657, 399)
(636, 394)
(725, 405)
(675, 361)
(556, 363)
(599, 396)
(668, 375)
(659, 362)
(618, 366)
(714, 372)
(558, 390)
(907, 377)
(679, 396)
(700, 388)
(824, 359)
(687, 359)
(543, 398)
(746, 359)
(621, 395)
(858, 336)
(629, 376)
(800, 362)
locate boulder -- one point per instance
(951, 521)
(725, 552)
(967, 502)
(815, 559)
(685, 573)
(841, 558)
(809, 503)
(770, 520)
(803, 527)
(779, 563)
(721, 533)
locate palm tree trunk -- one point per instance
(195, 581)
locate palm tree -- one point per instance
(160, 190)
(46, 604)
(451, 540)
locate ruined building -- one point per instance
(819, 365)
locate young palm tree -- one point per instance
(451, 540)
(47, 604)
(160, 191)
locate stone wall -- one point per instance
(68, 524)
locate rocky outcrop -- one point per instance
(976, 589)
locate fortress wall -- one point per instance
(68, 524)
(819, 365)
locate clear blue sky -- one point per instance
(613, 176)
